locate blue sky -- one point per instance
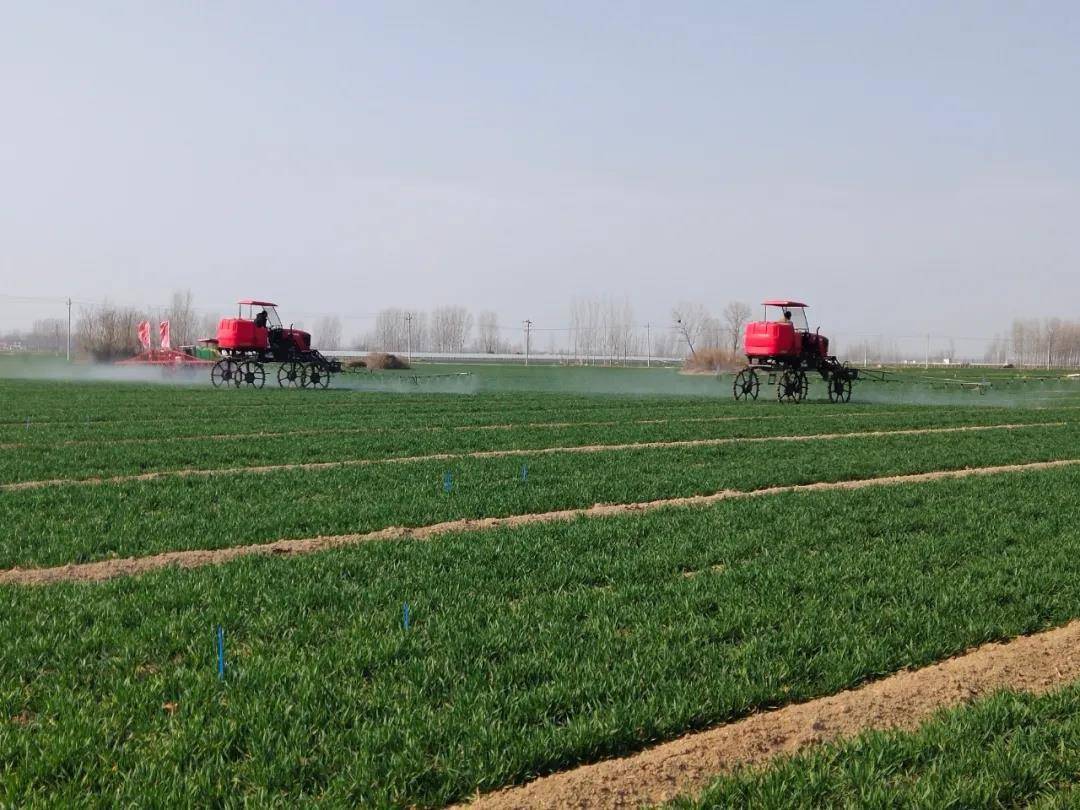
(903, 167)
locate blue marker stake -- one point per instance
(221, 652)
(405, 616)
(447, 481)
(28, 423)
(524, 472)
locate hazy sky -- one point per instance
(902, 166)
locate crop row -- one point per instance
(1009, 750)
(57, 525)
(529, 650)
(110, 458)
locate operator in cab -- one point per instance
(260, 319)
(786, 318)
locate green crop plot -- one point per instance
(530, 649)
(1009, 750)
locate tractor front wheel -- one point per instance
(290, 374)
(746, 384)
(792, 386)
(252, 373)
(225, 372)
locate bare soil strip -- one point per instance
(687, 765)
(539, 451)
(133, 566)
(263, 434)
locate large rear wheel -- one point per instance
(839, 387)
(290, 374)
(315, 377)
(792, 386)
(746, 384)
(252, 373)
(224, 372)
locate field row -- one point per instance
(112, 459)
(528, 650)
(54, 526)
(1010, 750)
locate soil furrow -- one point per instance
(687, 765)
(132, 566)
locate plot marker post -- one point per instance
(524, 472)
(447, 481)
(221, 652)
(405, 615)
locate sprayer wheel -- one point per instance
(290, 374)
(792, 386)
(839, 388)
(746, 384)
(252, 373)
(315, 377)
(224, 372)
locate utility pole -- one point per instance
(69, 331)
(926, 364)
(648, 345)
(408, 329)
(528, 331)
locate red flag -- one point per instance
(144, 334)
(163, 330)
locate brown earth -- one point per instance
(132, 566)
(905, 700)
(541, 451)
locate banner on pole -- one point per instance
(144, 334)
(163, 330)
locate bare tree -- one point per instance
(450, 329)
(207, 326)
(390, 330)
(691, 321)
(586, 318)
(735, 317)
(618, 329)
(108, 333)
(183, 320)
(328, 332)
(487, 332)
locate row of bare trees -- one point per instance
(698, 328)
(106, 331)
(445, 329)
(600, 329)
(46, 335)
(1051, 343)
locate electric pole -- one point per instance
(648, 345)
(69, 331)
(528, 331)
(408, 329)
(927, 363)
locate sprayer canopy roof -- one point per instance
(780, 302)
(247, 301)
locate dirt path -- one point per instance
(687, 765)
(478, 454)
(132, 566)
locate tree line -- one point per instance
(598, 329)
(1051, 342)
